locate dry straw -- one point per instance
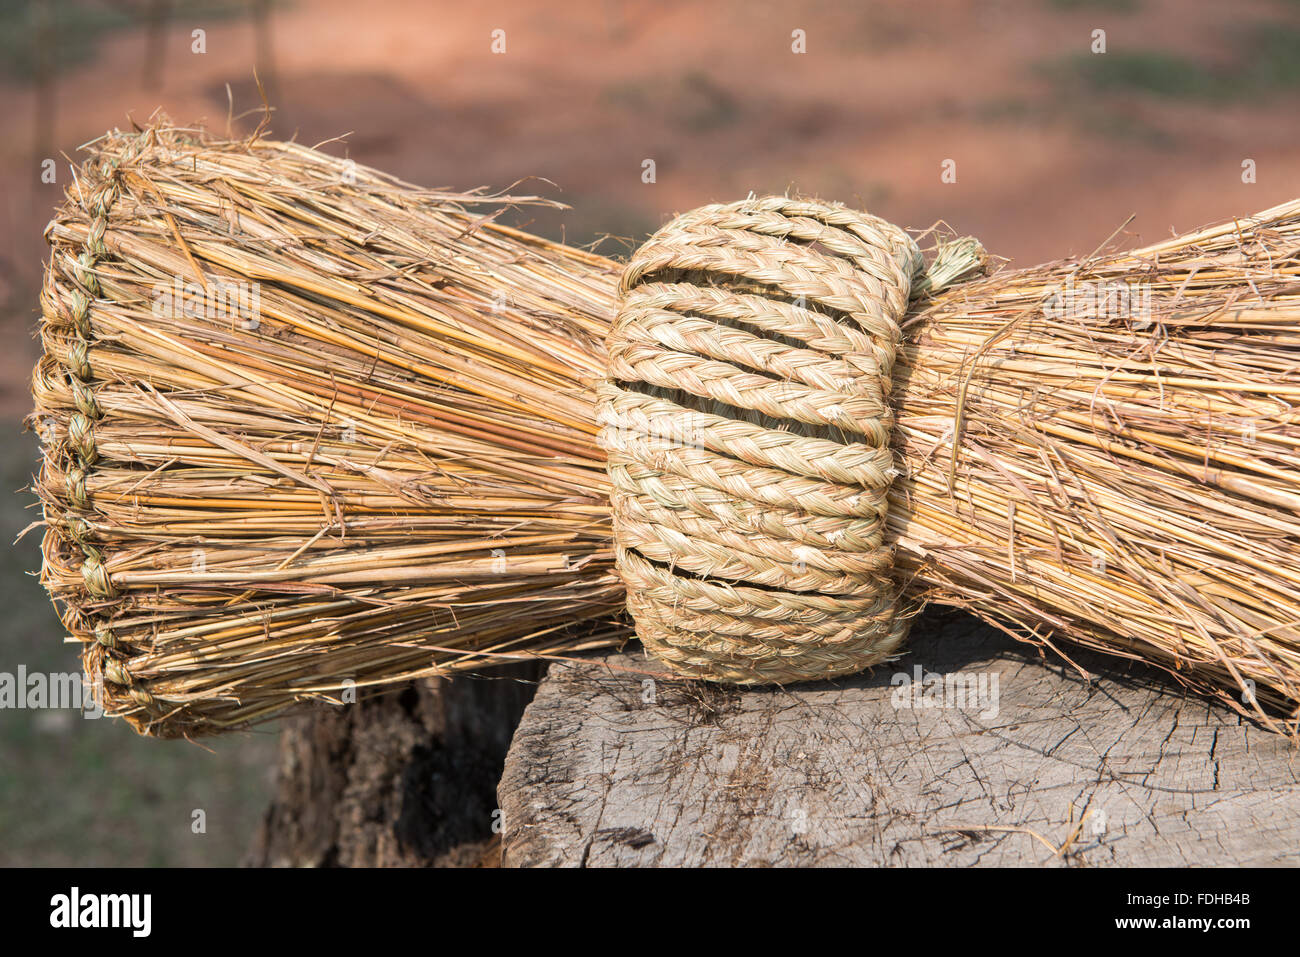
(307, 427)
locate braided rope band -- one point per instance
(747, 424)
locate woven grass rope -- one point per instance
(436, 442)
(749, 438)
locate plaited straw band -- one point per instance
(747, 422)
(69, 307)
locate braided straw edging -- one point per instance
(69, 452)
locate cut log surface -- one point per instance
(1014, 759)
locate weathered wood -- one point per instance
(401, 779)
(606, 769)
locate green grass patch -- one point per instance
(67, 33)
(1266, 63)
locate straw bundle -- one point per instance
(306, 426)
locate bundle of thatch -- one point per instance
(307, 427)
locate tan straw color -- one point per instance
(747, 424)
(309, 430)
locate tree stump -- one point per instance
(1034, 765)
(406, 778)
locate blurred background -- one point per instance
(1053, 143)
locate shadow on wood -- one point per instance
(971, 750)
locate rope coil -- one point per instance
(747, 424)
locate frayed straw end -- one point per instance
(955, 262)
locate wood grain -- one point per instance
(610, 769)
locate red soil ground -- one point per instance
(1048, 162)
